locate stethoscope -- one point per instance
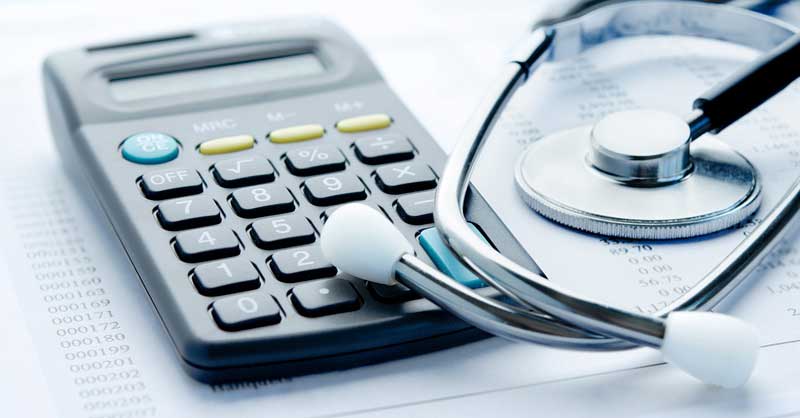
(673, 185)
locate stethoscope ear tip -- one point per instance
(362, 242)
(717, 349)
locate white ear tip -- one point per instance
(360, 241)
(717, 349)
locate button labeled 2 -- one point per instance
(298, 264)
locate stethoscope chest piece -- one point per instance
(637, 174)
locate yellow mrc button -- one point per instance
(364, 123)
(227, 144)
(296, 133)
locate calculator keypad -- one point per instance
(334, 189)
(247, 310)
(188, 212)
(168, 184)
(245, 171)
(281, 232)
(258, 201)
(325, 297)
(204, 244)
(315, 160)
(225, 277)
(300, 264)
(382, 149)
(405, 178)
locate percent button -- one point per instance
(315, 160)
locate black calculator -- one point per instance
(218, 154)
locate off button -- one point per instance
(150, 148)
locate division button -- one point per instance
(416, 208)
(245, 171)
(150, 148)
(325, 297)
(281, 232)
(300, 264)
(383, 149)
(296, 133)
(334, 189)
(315, 160)
(364, 123)
(226, 276)
(188, 212)
(258, 201)
(226, 145)
(405, 178)
(167, 184)
(245, 311)
(205, 244)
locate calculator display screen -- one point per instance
(214, 77)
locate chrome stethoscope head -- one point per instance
(632, 175)
(715, 348)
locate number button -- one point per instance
(188, 212)
(258, 201)
(417, 208)
(167, 184)
(405, 178)
(299, 264)
(315, 160)
(281, 232)
(325, 297)
(334, 189)
(240, 172)
(383, 149)
(226, 276)
(206, 244)
(248, 310)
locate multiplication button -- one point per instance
(245, 171)
(405, 178)
(248, 310)
(167, 184)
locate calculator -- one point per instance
(217, 154)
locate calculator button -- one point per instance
(392, 294)
(225, 277)
(206, 244)
(383, 149)
(296, 133)
(364, 123)
(188, 212)
(445, 261)
(299, 264)
(281, 232)
(315, 160)
(167, 184)
(334, 189)
(248, 310)
(417, 208)
(245, 171)
(405, 178)
(150, 148)
(257, 201)
(226, 145)
(325, 297)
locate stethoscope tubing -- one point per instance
(576, 322)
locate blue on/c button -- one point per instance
(150, 148)
(445, 261)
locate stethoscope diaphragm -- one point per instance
(637, 174)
